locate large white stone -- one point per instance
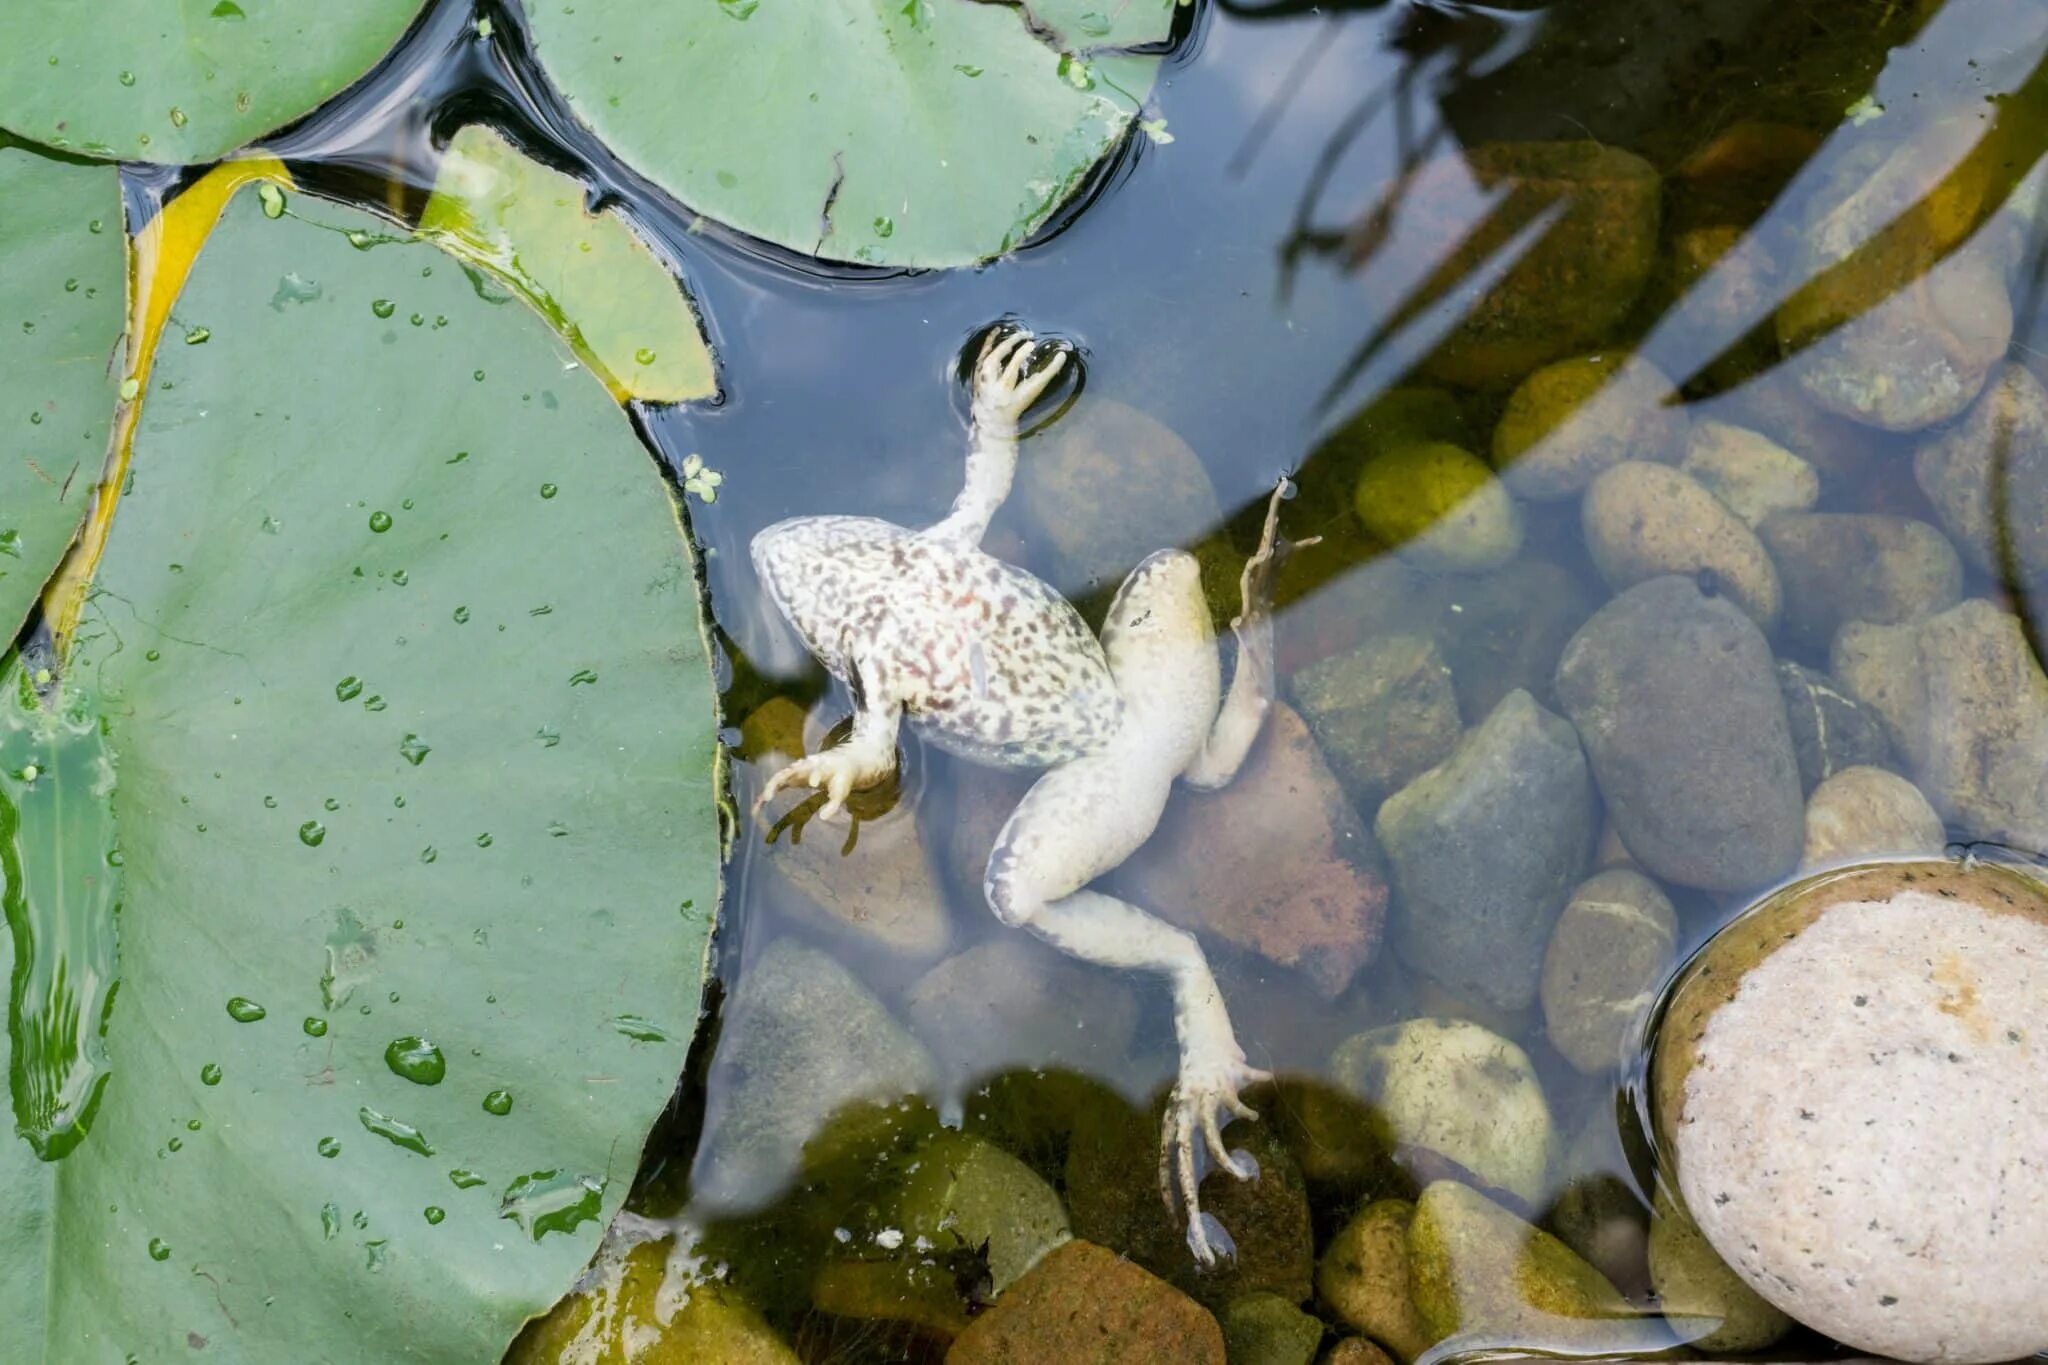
(1864, 1131)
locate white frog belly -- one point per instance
(987, 661)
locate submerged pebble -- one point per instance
(1484, 849)
(1462, 1092)
(1675, 697)
(1570, 422)
(1363, 1278)
(1752, 474)
(1439, 507)
(1865, 813)
(1085, 1302)
(1645, 520)
(1610, 951)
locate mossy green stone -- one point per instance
(1363, 1278)
(1265, 1329)
(962, 1193)
(1476, 1268)
(1439, 506)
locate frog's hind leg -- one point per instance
(1005, 386)
(1075, 824)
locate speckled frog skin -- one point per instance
(988, 662)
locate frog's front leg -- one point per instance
(1005, 387)
(864, 758)
(1244, 709)
(1078, 822)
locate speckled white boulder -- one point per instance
(1854, 1084)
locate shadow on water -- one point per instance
(1338, 243)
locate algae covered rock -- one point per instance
(960, 1193)
(1477, 1268)
(1363, 1278)
(618, 1317)
(1484, 849)
(1572, 421)
(1112, 1186)
(1609, 953)
(1086, 1305)
(1458, 1090)
(1694, 1283)
(1439, 507)
(1265, 1329)
(1577, 279)
(1600, 1217)
(1645, 520)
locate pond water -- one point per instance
(1347, 237)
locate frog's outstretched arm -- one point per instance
(1005, 386)
(863, 759)
(1251, 687)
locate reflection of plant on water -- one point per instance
(1460, 64)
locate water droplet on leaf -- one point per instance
(417, 1060)
(395, 1131)
(243, 1010)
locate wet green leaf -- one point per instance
(226, 607)
(61, 308)
(181, 80)
(591, 277)
(891, 134)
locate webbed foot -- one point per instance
(1208, 1087)
(837, 772)
(1005, 385)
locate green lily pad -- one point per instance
(398, 649)
(61, 312)
(181, 80)
(888, 132)
(589, 275)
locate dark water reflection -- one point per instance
(1257, 287)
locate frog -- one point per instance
(987, 662)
